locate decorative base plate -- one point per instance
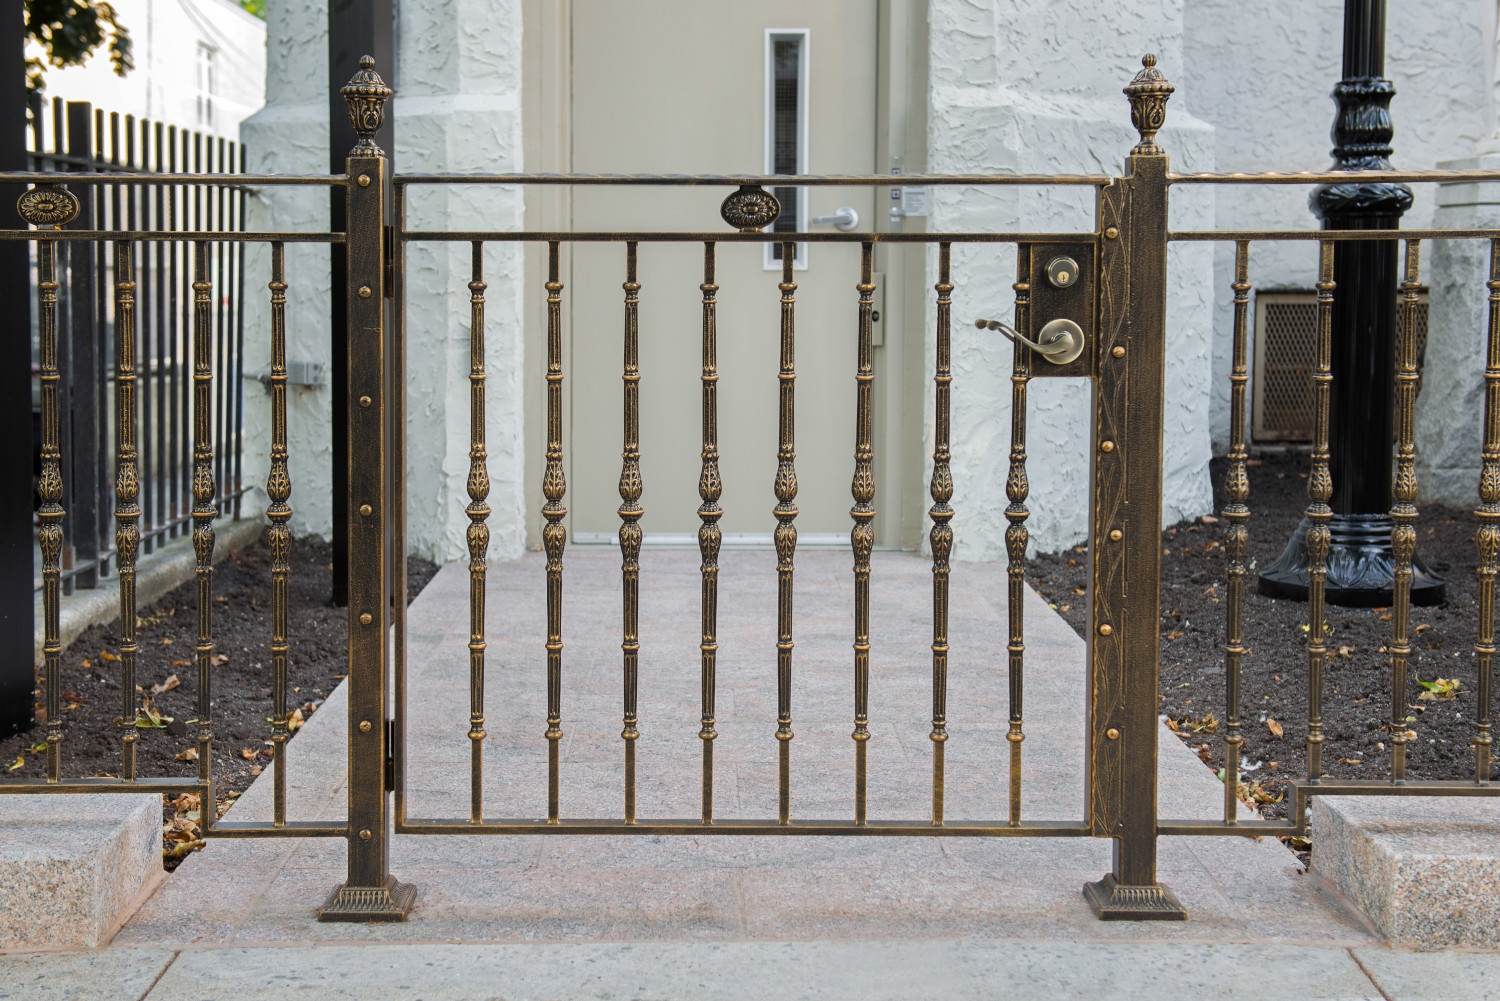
(1361, 566)
(1113, 902)
(391, 902)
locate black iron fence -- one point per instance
(75, 137)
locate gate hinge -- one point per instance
(390, 755)
(388, 250)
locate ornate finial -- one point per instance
(1148, 94)
(48, 205)
(750, 209)
(366, 95)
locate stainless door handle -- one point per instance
(844, 219)
(1060, 341)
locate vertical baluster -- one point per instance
(786, 532)
(1236, 532)
(237, 375)
(1404, 510)
(1017, 488)
(862, 536)
(710, 488)
(630, 516)
(127, 496)
(203, 508)
(1487, 538)
(50, 491)
(279, 535)
(1319, 489)
(554, 535)
(478, 534)
(941, 536)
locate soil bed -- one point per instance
(1357, 679)
(90, 681)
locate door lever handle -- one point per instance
(1060, 341)
(844, 218)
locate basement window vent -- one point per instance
(1286, 339)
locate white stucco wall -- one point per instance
(457, 109)
(1264, 81)
(290, 136)
(1010, 93)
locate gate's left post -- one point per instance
(370, 892)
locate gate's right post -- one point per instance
(1125, 554)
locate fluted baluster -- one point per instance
(1319, 489)
(1236, 531)
(1487, 539)
(941, 536)
(1017, 488)
(786, 531)
(1404, 508)
(862, 536)
(554, 535)
(279, 535)
(127, 496)
(49, 492)
(204, 510)
(710, 488)
(631, 487)
(478, 533)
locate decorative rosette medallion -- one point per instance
(47, 205)
(750, 209)
(366, 95)
(1148, 94)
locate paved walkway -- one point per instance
(740, 917)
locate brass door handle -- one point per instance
(1060, 341)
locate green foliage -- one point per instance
(69, 31)
(256, 7)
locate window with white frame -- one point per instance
(208, 83)
(786, 133)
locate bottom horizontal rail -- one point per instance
(1218, 828)
(166, 786)
(1302, 791)
(887, 828)
(266, 829)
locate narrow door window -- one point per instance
(786, 132)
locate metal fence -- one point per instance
(1089, 305)
(75, 137)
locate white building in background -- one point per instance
(960, 86)
(199, 65)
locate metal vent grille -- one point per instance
(1286, 331)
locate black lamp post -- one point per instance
(1360, 561)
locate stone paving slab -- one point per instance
(1433, 976)
(1425, 869)
(714, 888)
(103, 975)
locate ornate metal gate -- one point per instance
(1088, 305)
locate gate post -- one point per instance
(1125, 554)
(370, 892)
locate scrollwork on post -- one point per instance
(1148, 93)
(366, 95)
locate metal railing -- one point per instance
(1088, 305)
(74, 137)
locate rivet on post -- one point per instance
(1117, 351)
(364, 292)
(365, 835)
(364, 180)
(364, 401)
(1106, 446)
(1111, 233)
(1112, 733)
(365, 510)
(365, 726)
(1106, 629)
(365, 619)
(1115, 535)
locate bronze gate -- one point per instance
(1088, 305)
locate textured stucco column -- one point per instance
(458, 108)
(1450, 408)
(1012, 92)
(290, 135)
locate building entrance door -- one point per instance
(684, 86)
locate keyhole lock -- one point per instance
(1062, 272)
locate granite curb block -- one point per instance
(1423, 870)
(73, 866)
(160, 572)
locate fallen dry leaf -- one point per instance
(186, 802)
(1274, 727)
(1209, 519)
(248, 753)
(1422, 627)
(1346, 652)
(1351, 761)
(191, 754)
(219, 659)
(166, 686)
(108, 656)
(179, 663)
(1176, 634)
(20, 762)
(256, 770)
(295, 720)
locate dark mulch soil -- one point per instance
(241, 680)
(1356, 695)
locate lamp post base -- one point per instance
(1361, 566)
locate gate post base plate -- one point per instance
(1113, 902)
(391, 902)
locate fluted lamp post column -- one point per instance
(1360, 561)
